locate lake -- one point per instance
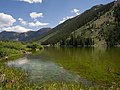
(89, 66)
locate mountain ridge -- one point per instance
(63, 31)
(24, 36)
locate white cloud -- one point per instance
(6, 20)
(65, 18)
(22, 21)
(32, 1)
(35, 15)
(76, 11)
(17, 28)
(37, 24)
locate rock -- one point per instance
(13, 81)
(2, 78)
(113, 83)
(25, 52)
(6, 58)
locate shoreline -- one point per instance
(21, 75)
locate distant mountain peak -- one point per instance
(24, 36)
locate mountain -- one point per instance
(26, 36)
(9, 36)
(31, 36)
(96, 26)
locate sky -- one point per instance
(26, 15)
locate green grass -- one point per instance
(15, 79)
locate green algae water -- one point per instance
(89, 66)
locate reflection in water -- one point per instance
(68, 64)
(44, 71)
(19, 62)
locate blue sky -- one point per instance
(24, 15)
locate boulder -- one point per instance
(2, 78)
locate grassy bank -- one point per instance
(14, 79)
(11, 78)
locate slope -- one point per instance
(63, 31)
(103, 31)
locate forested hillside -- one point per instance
(105, 30)
(96, 26)
(63, 31)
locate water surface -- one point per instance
(85, 65)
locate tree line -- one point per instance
(77, 40)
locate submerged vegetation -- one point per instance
(101, 66)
